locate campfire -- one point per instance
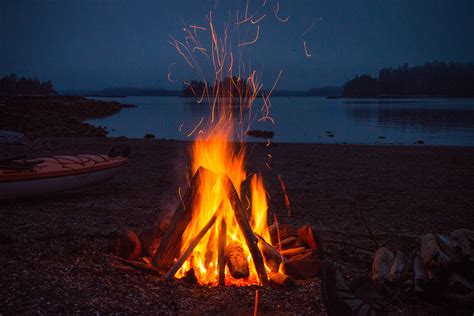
(219, 233)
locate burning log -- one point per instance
(169, 245)
(191, 246)
(245, 193)
(271, 255)
(236, 261)
(221, 249)
(245, 229)
(286, 230)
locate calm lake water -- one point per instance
(313, 120)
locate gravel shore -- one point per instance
(54, 249)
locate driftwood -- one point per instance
(383, 260)
(126, 244)
(271, 255)
(288, 242)
(277, 239)
(294, 251)
(139, 266)
(284, 230)
(280, 279)
(421, 278)
(435, 260)
(169, 247)
(191, 246)
(236, 261)
(245, 229)
(306, 234)
(398, 267)
(221, 248)
(304, 265)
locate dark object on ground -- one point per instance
(126, 245)
(340, 299)
(420, 142)
(149, 136)
(260, 134)
(119, 151)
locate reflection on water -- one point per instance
(408, 118)
(361, 121)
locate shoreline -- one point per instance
(406, 191)
(39, 116)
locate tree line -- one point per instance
(12, 85)
(431, 79)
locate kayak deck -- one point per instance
(58, 166)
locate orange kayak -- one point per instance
(22, 178)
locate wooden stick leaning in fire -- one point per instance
(195, 241)
(272, 256)
(252, 241)
(169, 245)
(221, 249)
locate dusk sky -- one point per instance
(98, 44)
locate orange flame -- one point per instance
(230, 99)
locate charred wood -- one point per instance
(221, 251)
(271, 255)
(252, 241)
(194, 242)
(169, 247)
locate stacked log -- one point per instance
(442, 267)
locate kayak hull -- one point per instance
(72, 177)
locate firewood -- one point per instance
(304, 265)
(294, 251)
(221, 249)
(288, 242)
(271, 255)
(126, 244)
(169, 247)
(252, 241)
(246, 195)
(286, 230)
(306, 234)
(280, 279)
(462, 242)
(150, 240)
(236, 261)
(421, 278)
(398, 267)
(139, 266)
(435, 260)
(194, 242)
(383, 260)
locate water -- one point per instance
(313, 120)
